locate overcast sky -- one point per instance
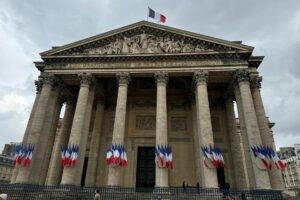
(32, 26)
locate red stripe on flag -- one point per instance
(162, 18)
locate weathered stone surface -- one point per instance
(114, 173)
(238, 159)
(38, 84)
(55, 167)
(205, 134)
(258, 178)
(31, 174)
(265, 132)
(78, 136)
(161, 137)
(91, 174)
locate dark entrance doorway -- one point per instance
(84, 171)
(221, 177)
(145, 173)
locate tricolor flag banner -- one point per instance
(23, 155)
(267, 157)
(163, 156)
(280, 164)
(155, 15)
(69, 155)
(116, 155)
(213, 157)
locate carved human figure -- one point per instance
(168, 45)
(198, 48)
(125, 46)
(152, 46)
(187, 48)
(176, 47)
(135, 48)
(160, 44)
(117, 46)
(144, 41)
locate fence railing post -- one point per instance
(22, 191)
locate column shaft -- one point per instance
(29, 123)
(258, 178)
(205, 134)
(265, 132)
(55, 167)
(85, 135)
(114, 173)
(95, 146)
(36, 170)
(28, 174)
(196, 143)
(50, 142)
(239, 163)
(71, 175)
(161, 174)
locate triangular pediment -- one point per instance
(146, 38)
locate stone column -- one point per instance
(161, 174)
(38, 84)
(257, 178)
(39, 171)
(55, 167)
(49, 142)
(91, 174)
(196, 141)
(29, 174)
(114, 173)
(205, 133)
(78, 136)
(265, 132)
(239, 163)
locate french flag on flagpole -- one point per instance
(155, 15)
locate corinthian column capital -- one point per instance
(86, 79)
(38, 85)
(255, 82)
(48, 79)
(200, 76)
(123, 78)
(241, 75)
(161, 77)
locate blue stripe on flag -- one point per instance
(151, 13)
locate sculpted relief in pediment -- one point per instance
(146, 43)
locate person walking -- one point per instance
(3, 196)
(97, 195)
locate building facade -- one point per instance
(141, 86)
(291, 176)
(6, 168)
(9, 149)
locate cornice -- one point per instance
(255, 61)
(40, 65)
(244, 55)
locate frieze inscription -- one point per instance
(145, 122)
(178, 124)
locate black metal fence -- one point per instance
(17, 191)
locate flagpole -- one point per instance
(147, 13)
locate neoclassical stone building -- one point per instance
(144, 85)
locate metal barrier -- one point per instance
(22, 191)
